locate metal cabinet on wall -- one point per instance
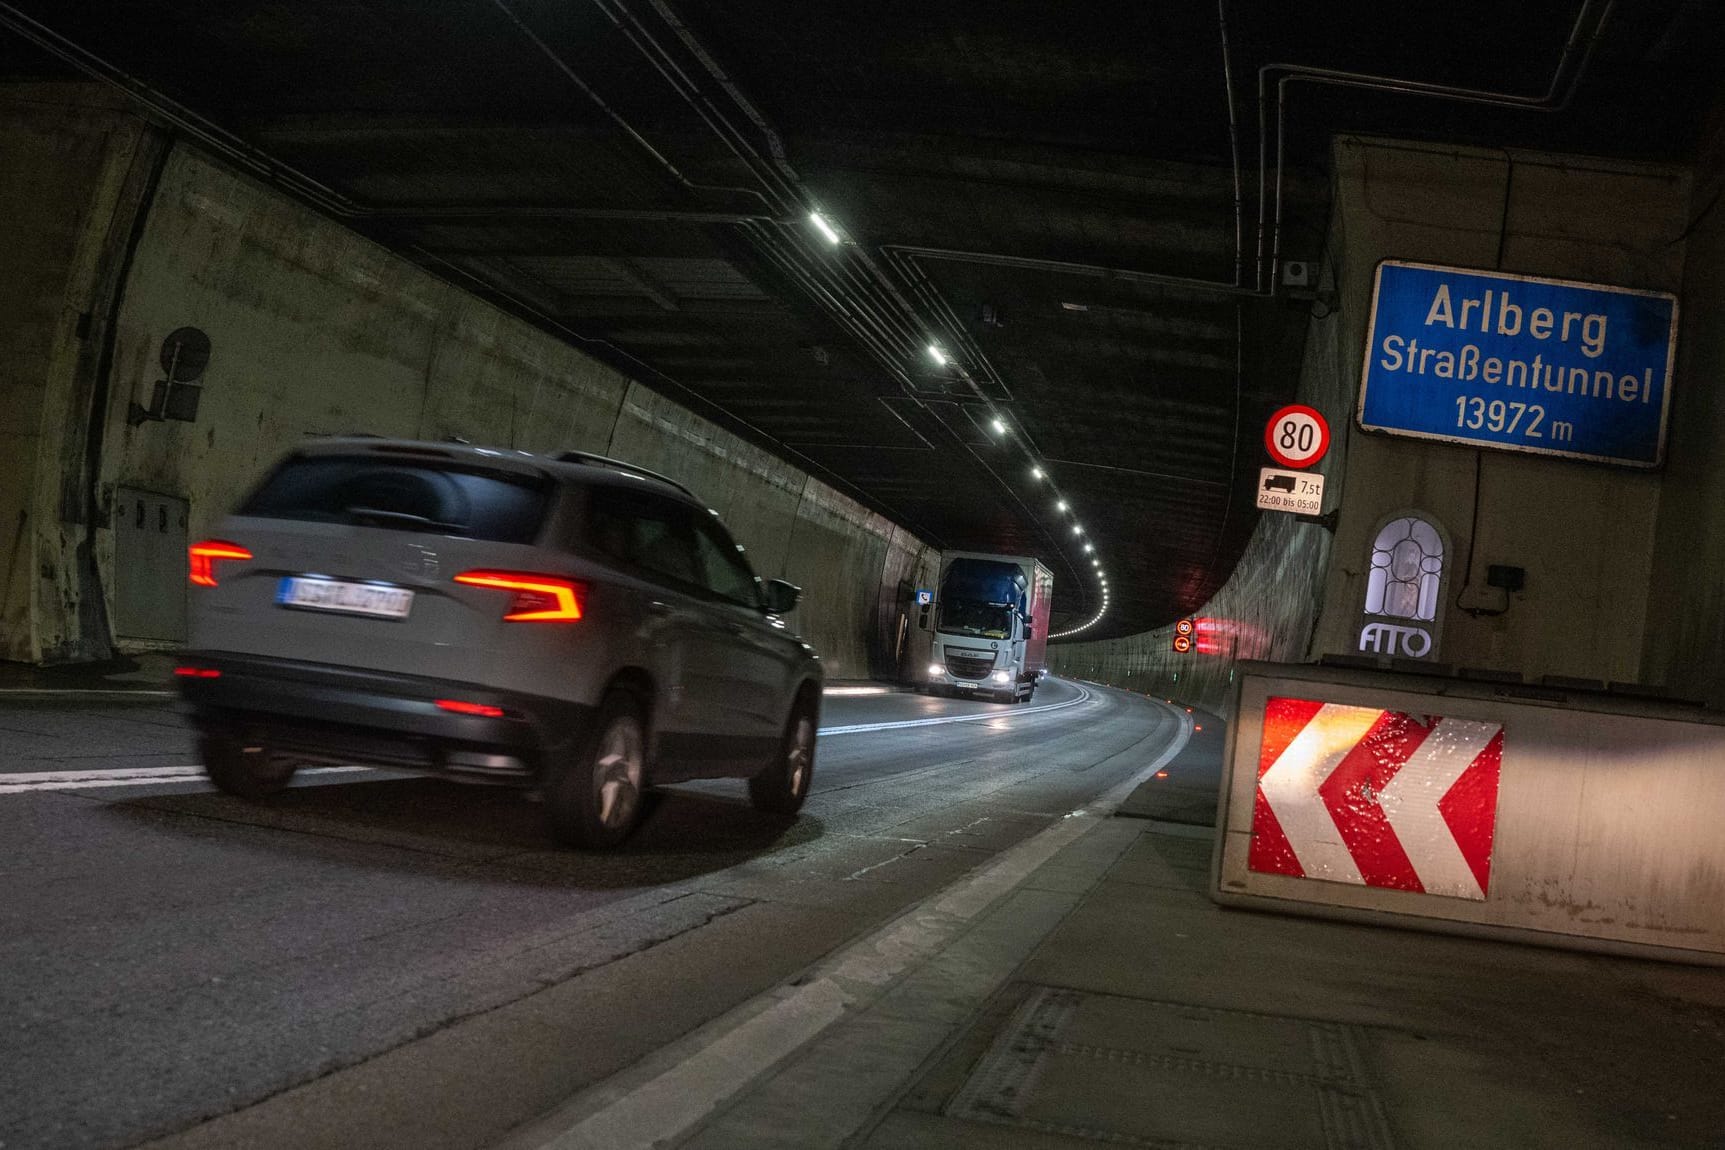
(149, 565)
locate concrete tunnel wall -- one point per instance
(316, 331)
(1685, 644)
(73, 171)
(1584, 532)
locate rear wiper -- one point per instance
(403, 519)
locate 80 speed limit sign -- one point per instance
(1297, 436)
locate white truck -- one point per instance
(990, 624)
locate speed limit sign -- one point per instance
(1297, 436)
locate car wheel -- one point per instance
(782, 787)
(247, 769)
(595, 799)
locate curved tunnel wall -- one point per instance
(1583, 533)
(318, 331)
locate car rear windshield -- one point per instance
(405, 495)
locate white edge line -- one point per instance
(1084, 696)
(141, 776)
(750, 1039)
(84, 693)
(94, 780)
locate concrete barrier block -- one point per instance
(1576, 819)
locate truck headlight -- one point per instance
(937, 668)
(1001, 677)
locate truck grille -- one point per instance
(964, 665)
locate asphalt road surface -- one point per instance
(169, 954)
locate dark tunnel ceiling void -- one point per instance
(635, 175)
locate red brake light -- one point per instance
(204, 555)
(484, 710)
(538, 598)
(197, 672)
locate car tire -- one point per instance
(782, 787)
(245, 769)
(594, 799)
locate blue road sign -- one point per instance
(924, 598)
(1519, 363)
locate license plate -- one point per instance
(344, 596)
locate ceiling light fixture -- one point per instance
(1038, 473)
(827, 231)
(1060, 506)
(999, 427)
(1077, 529)
(1089, 547)
(938, 355)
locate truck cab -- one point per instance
(990, 624)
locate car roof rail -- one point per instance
(592, 459)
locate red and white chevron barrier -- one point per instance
(1377, 798)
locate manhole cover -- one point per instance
(1134, 1072)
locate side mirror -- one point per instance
(782, 597)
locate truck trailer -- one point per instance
(990, 624)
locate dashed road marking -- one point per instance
(27, 781)
(736, 1050)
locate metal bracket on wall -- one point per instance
(1327, 521)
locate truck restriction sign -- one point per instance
(1297, 436)
(1299, 492)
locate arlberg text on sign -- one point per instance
(1495, 312)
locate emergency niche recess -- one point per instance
(1519, 363)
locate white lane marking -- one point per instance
(754, 1037)
(12, 784)
(17, 784)
(1004, 713)
(1291, 785)
(1410, 803)
(83, 693)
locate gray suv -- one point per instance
(572, 625)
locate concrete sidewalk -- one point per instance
(1107, 1001)
(142, 676)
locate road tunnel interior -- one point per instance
(1075, 224)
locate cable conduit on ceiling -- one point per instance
(1577, 51)
(770, 239)
(337, 205)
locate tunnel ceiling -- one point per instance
(1065, 198)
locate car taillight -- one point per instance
(537, 599)
(461, 707)
(197, 672)
(204, 555)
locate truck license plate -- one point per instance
(345, 596)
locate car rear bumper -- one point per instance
(328, 713)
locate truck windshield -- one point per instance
(989, 620)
